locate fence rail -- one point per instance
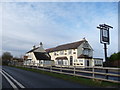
(96, 73)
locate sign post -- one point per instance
(104, 39)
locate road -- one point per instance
(27, 79)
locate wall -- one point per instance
(80, 49)
(53, 57)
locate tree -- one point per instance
(114, 56)
(113, 60)
(6, 58)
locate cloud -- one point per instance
(27, 23)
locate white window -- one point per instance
(65, 62)
(80, 60)
(86, 52)
(75, 60)
(55, 53)
(59, 62)
(95, 61)
(41, 62)
(61, 52)
(86, 45)
(98, 62)
(70, 52)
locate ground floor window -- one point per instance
(65, 62)
(60, 62)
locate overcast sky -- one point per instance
(25, 24)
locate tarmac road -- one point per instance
(27, 79)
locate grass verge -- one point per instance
(76, 79)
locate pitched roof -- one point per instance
(37, 49)
(73, 45)
(49, 50)
(32, 50)
(40, 49)
(41, 56)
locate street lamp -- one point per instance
(104, 36)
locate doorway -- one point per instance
(71, 60)
(88, 62)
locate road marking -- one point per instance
(11, 83)
(14, 80)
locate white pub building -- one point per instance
(78, 53)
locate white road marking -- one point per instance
(11, 83)
(14, 80)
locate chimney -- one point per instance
(41, 44)
(83, 39)
(34, 47)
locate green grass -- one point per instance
(80, 80)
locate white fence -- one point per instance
(99, 73)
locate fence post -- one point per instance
(106, 73)
(93, 70)
(74, 70)
(61, 68)
(29, 65)
(37, 65)
(51, 68)
(43, 66)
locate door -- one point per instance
(87, 62)
(71, 60)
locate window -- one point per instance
(70, 52)
(80, 60)
(86, 52)
(81, 63)
(61, 52)
(65, 62)
(54, 53)
(86, 45)
(95, 62)
(75, 60)
(74, 52)
(41, 62)
(59, 62)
